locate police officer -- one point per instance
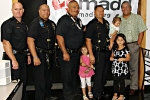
(69, 34)
(97, 43)
(13, 37)
(41, 42)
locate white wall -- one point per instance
(5, 10)
(147, 37)
(148, 25)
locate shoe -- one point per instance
(97, 98)
(121, 98)
(90, 95)
(114, 98)
(51, 98)
(132, 92)
(105, 95)
(85, 98)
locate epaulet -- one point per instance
(10, 18)
(93, 20)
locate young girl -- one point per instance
(114, 29)
(85, 73)
(120, 56)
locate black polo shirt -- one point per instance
(14, 32)
(97, 32)
(72, 35)
(42, 31)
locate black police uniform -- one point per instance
(72, 31)
(16, 33)
(98, 33)
(44, 34)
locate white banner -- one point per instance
(112, 7)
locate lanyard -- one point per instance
(79, 27)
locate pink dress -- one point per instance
(82, 69)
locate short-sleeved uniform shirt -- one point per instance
(71, 33)
(120, 68)
(132, 26)
(97, 32)
(15, 32)
(43, 32)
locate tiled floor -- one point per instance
(140, 95)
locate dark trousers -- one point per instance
(101, 70)
(70, 78)
(20, 73)
(43, 78)
(119, 81)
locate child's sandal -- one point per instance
(114, 98)
(85, 98)
(90, 95)
(121, 98)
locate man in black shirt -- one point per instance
(41, 42)
(97, 43)
(13, 37)
(69, 34)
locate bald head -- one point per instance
(72, 1)
(44, 11)
(17, 4)
(17, 10)
(43, 5)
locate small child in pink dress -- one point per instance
(85, 73)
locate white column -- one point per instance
(5, 9)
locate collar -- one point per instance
(17, 20)
(71, 16)
(128, 17)
(105, 22)
(43, 19)
(98, 20)
(79, 25)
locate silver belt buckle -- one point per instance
(14, 51)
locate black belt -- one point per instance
(101, 48)
(131, 42)
(44, 51)
(73, 51)
(47, 52)
(20, 51)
